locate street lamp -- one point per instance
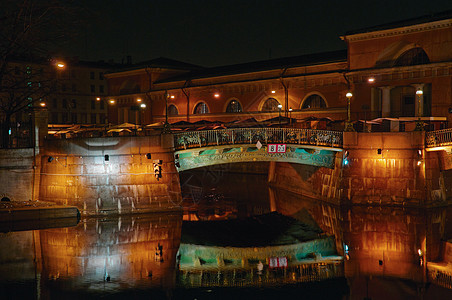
(279, 118)
(348, 123)
(419, 125)
(290, 115)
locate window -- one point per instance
(102, 104)
(103, 118)
(101, 75)
(271, 104)
(74, 103)
(314, 101)
(93, 88)
(172, 110)
(234, 107)
(91, 75)
(201, 108)
(93, 118)
(93, 104)
(415, 56)
(101, 88)
(74, 117)
(54, 117)
(64, 118)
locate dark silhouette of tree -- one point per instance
(29, 31)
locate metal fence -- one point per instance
(440, 278)
(438, 138)
(251, 277)
(196, 139)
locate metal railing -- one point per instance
(440, 278)
(438, 138)
(197, 139)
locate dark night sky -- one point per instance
(214, 32)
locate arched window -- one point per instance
(234, 107)
(414, 56)
(172, 110)
(271, 104)
(314, 101)
(201, 108)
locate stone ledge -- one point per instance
(38, 213)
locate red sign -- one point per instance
(278, 262)
(276, 148)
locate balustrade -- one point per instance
(438, 138)
(236, 136)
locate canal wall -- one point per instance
(111, 175)
(17, 174)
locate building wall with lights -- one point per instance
(400, 60)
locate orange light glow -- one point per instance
(172, 97)
(371, 79)
(98, 98)
(42, 104)
(60, 65)
(139, 100)
(112, 101)
(273, 92)
(216, 95)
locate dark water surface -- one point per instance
(136, 257)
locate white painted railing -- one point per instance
(204, 138)
(438, 138)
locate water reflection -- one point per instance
(154, 256)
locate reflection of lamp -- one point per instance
(348, 123)
(419, 125)
(290, 115)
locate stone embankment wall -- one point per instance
(17, 174)
(383, 168)
(110, 175)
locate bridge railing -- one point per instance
(235, 136)
(438, 138)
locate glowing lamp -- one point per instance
(273, 92)
(172, 97)
(216, 95)
(60, 65)
(42, 104)
(112, 101)
(139, 100)
(349, 95)
(142, 105)
(98, 98)
(371, 79)
(279, 106)
(419, 92)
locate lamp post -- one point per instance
(290, 116)
(279, 117)
(348, 123)
(419, 125)
(166, 125)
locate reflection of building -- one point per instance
(384, 68)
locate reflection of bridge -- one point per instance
(305, 146)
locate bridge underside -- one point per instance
(202, 157)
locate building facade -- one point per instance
(398, 74)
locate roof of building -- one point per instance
(264, 65)
(408, 22)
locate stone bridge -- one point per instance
(210, 147)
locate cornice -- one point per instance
(399, 31)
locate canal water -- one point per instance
(140, 256)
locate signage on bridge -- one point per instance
(276, 148)
(278, 262)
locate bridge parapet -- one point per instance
(236, 136)
(438, 138)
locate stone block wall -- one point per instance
(110, 175)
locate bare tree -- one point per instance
(29, 30)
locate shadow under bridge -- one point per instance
(195, 149)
